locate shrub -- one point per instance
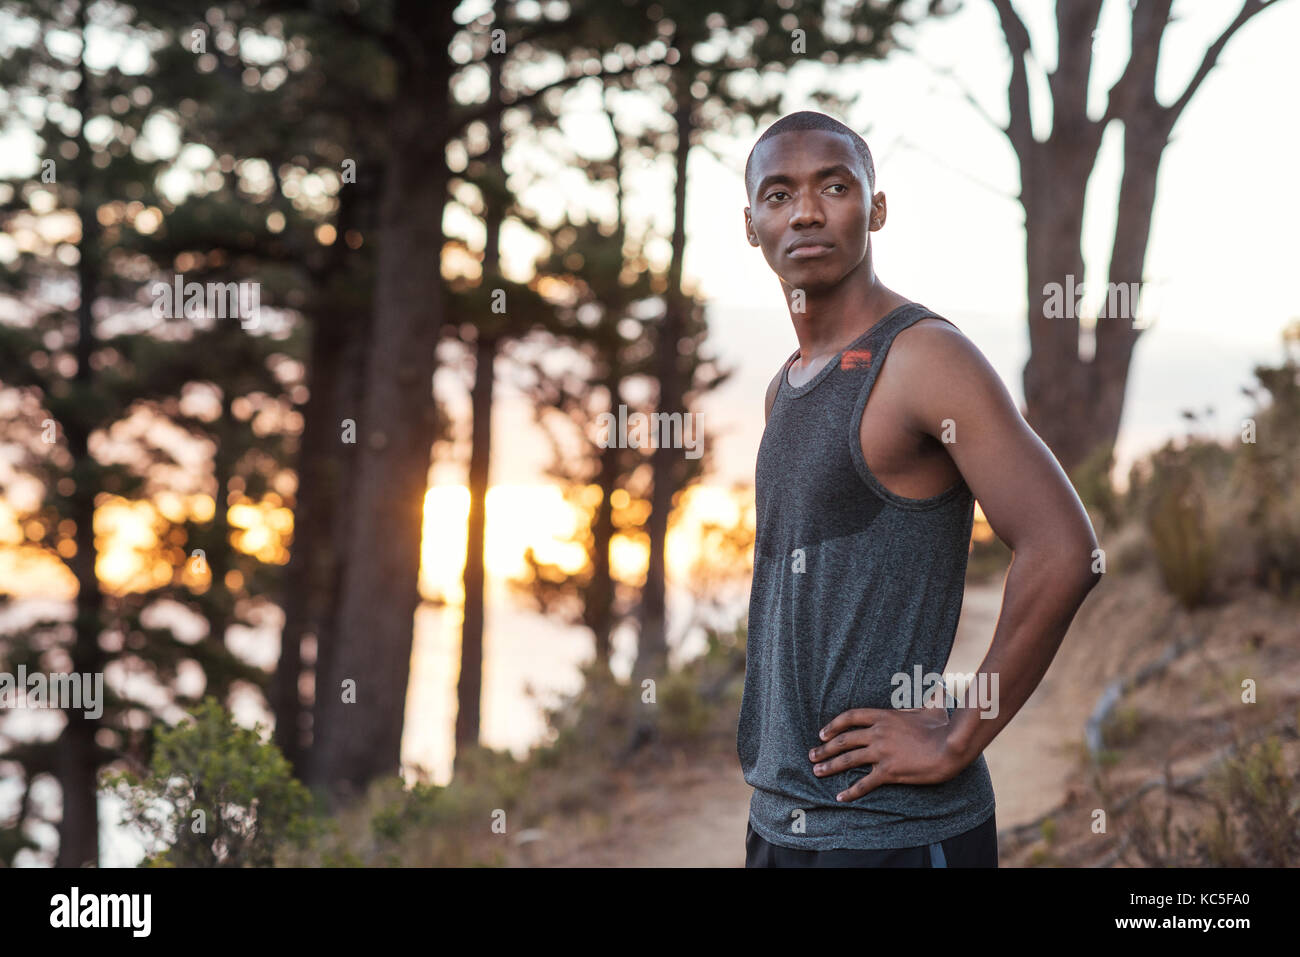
(215, 795)
(1092, 482)
(1259, 794)
(1266, 481)
(1253, 820)
(1179, 523)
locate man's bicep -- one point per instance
(1022, 489)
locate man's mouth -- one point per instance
(809, 250)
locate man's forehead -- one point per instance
(804, 148)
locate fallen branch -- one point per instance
(1116, 690)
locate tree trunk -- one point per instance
(600, 596)
(354, 743)
(652, 648)
(469, 687)
(77, 760)
(1075, 404)
(319, 500)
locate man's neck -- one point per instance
(833, 318)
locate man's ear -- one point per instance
(879, 212)
(749, 229)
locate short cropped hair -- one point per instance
(810, 120)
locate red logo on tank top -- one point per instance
(856, 359)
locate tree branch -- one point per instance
(1076, 29)
(482, 111)
(1248, 9)
(962, 88)
(347, 21)
(1019, 130)
(1147, 24)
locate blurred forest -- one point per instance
(338, 171)
(311, 149)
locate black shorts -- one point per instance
(977, 847)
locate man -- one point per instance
(866, 479)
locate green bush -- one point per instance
(590, 734)
(1257, 805)
(1124, 728)
(215, 795)
(1178, 520)
(1092, 482)
(1266, 482)
(1250, 817)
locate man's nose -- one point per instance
(806, 211)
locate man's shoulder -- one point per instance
(957, 374)
(930, 341)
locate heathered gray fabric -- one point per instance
(880, 593)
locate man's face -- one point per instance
(812, 207)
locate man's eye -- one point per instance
(838, 186)
(776, 193)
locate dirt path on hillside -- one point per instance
(694, 815)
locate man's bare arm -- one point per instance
(1029, 503)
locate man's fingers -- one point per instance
(864, 785)
(856, 717)
(853, 758)
(854, 738)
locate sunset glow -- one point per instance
(139, 547)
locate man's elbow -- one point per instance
(1088, 566)
(1076, 565)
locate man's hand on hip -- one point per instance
(903, 746)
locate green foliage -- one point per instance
(1108, 758)
(13, 840)
(686, 715)
(1041, 857)
(1257, 814)
(1123, 727)
(694, 703)
(1092, 481)
(216, 795)
(1176, 514)
(106, 227)
(1221, 514)
(426, 824)
(1266, 482)
(396, 825)
(1254, 817)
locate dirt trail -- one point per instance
(694, 815)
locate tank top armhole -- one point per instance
(855, 427)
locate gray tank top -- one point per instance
(852, 586)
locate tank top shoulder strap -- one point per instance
(906, 315)
(882, 337)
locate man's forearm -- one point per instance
(1041, 594)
